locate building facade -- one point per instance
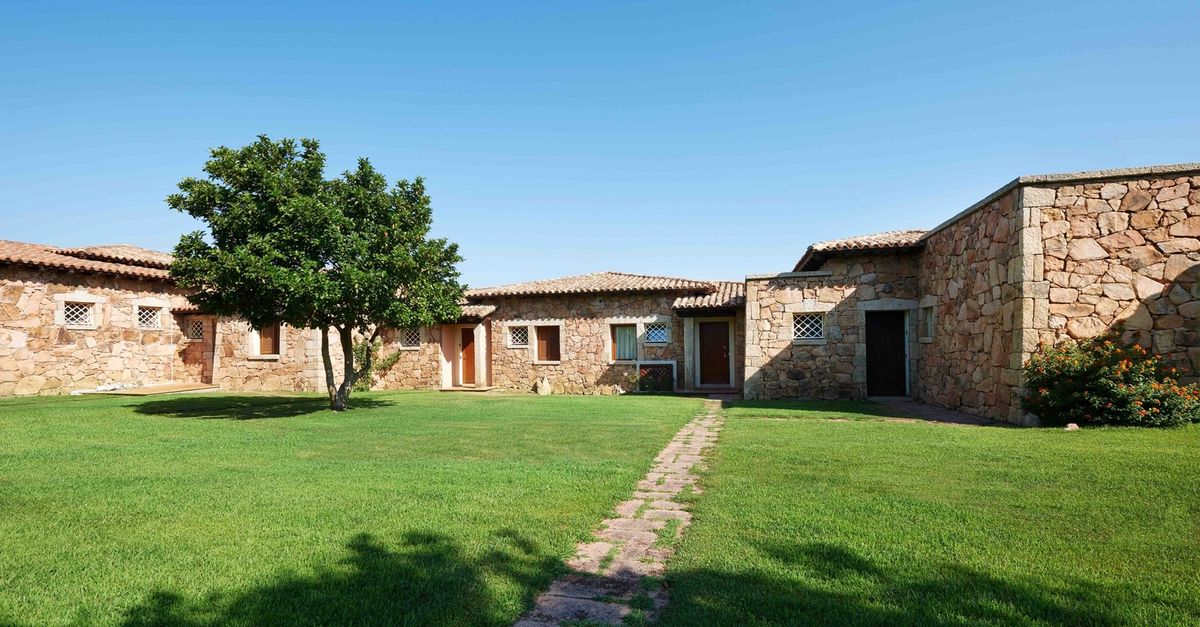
(947, 316)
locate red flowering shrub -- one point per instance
(1101, 381)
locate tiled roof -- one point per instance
(888, 240)
(122, 253)
(727, 294)
(51, 257)
(477, 311)
(595, 283)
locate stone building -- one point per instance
(950, 315)
(947, 316)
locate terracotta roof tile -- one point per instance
(595, 283)
(477, 311)
(122, 253)
(888, 240)
(727, 294)
(51, 257)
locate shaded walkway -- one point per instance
(905, 406)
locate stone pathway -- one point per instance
(616, 575)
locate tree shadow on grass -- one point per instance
(245, 407)
(829, 585)
(427, 580)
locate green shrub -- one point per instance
(1102, 381)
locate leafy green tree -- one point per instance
(283, 244)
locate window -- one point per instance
(926, 317)
(194, 329)
(78, 314)
(149, 317)
(807, 326)
(410, 337)
(518, 336)
(624, 342)
(547, 343)
(658, 333)
(268, 340)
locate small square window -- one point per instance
(658, 333)
(518, 336)
(808, 327)
(78, 314)
(194, 329)
(410, 338)
(149, 317)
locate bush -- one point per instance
(378, 366)
(1101, 381)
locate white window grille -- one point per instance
(410, 337)
(658, 333)
(78, 314)
(194, 329)
(149, 317)
(807, 327)
(518, 336)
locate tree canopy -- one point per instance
(284, 244)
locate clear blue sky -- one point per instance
(702, 139)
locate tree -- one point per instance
(283, 244)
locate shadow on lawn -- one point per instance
(427, 581)
(245, 407)
(833, 586)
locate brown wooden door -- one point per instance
(714, 353)
(886, 354)
(467, 357)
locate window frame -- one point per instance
(538, 357)
(188, 324)
(402, 337)
(256, 353)
(90, 309)
(809, 339)
(612, 341)
(508, 335)
(666, 329)
(158, 317)
(87, 299)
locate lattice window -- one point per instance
(807, 327)
(149, 317)
(78, 314)
(658, 333)
(518, 336)
(194, 329)
(410, 338)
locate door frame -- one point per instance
(455, 362)
(907, 354)
(730, 322)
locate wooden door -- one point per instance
(466, 358)
(886, 354)
(714, 353)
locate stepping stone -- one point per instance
(660, 504)
(588, 556)
(554, 610)
(628, 508)
(627, 535)
(581, 587)
(665, 514)
(634, 524)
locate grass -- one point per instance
(815, 521)
(415, 508)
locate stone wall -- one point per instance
(297, 368)
(41, 355)
(973, 274)
(415, 368)
(843, 291)
(1123, 252)
(586, 365)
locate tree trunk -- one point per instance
(330, 383)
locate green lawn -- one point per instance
(810, 520)
(416, 508)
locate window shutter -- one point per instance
(547, 344)
(268, 340)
